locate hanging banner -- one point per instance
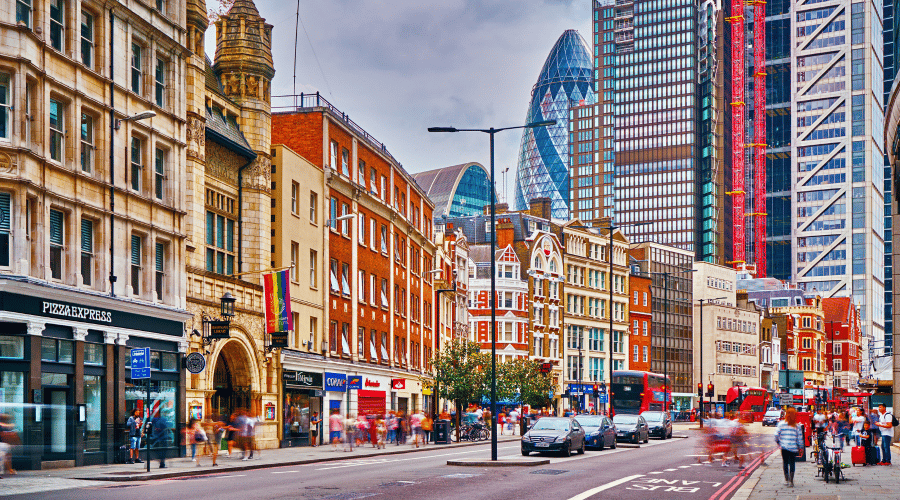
(278, 302)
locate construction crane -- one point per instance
(738, 132)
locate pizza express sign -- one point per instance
(302, 379)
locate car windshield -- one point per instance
(653, 417)
(773, 413)
(629, 419)
(589, 421)
(551, 424)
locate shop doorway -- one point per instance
(231, 380)
(57, 416)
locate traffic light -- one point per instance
(700, 389)
(595, 390)
(710, 390)
(603, 387)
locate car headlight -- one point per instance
(526, 438)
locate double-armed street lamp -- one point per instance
(491, 132)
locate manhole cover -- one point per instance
(549, 472)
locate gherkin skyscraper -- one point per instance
(564, 81)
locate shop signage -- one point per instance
(354, 382)
(398, 383)
(219, 329)
(372, 383)
(38, 306)
(335, 382)
(270, 411)
(278, 339)
(195, 362)
(302, 379)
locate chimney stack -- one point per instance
(540, 207)
(505, 232)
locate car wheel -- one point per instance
(635, 439)
(670, 435)
(614, 444)
(581, 450)
(647, 438)
(525, 453)
(567, 450)
(602, 443)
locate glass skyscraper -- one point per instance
(457, 191)
(565, 81)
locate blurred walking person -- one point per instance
(380, 432)
(335, 426)
(415, 427)
(161, 435)
(8, 440)
(788, 437)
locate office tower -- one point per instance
(457, 190)
(778, 140)
(839, 136)
(564, 81)
(661, 71)
(889, 72)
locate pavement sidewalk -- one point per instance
(180, 467)
(859, 483)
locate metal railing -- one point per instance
(295, 103)
(624, 37)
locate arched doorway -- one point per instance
(231, 380)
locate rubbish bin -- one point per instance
(442, 432)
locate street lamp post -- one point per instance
(491, 132)
(702, 393)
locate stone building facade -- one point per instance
(228, 204)
(91, 221)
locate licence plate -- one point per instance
(542, 445)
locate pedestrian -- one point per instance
(401, 427)
(349, 431)
(161, 436)
(865, 438)
(874, 419)
(857, 421)
(8, 441)
(241, 425)
(135, 432)
(335, 426)
(314, 422)
(886, 426)
(788, 437)
(380, 432)
(391, 427)
(231, 435)
(427, 427)
(191, 436)
(361, 430)
(211, 446)
(415, 426)
(252, 422)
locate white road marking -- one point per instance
(683, 466)
(284, 471)
(589, 493)
(669, 470)
(234, 475)
(656, 473)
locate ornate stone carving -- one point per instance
(8, 163)
(252, 86)
(259, 175)
(196, 138)
(223, 163)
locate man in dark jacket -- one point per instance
(161, 436)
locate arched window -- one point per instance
(537, 262)
(553, 266)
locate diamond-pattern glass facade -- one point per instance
(565, 81)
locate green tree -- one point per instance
(521, 380)
(461, 374)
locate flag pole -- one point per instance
(261, 271)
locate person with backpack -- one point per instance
(133, 426)
(886, 423)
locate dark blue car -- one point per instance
(599, 431)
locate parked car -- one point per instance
(772, 417)
(631, 428)
(562, 434)
(659, 422)
(599, 431)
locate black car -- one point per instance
(660, 423)
(599, 431)
(631, 428)
(554, 434)
(772, 417)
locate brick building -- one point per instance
(843, 335)
(640, 318)
(379, 313)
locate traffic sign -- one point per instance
(785, 399)
(603, 397)
(140, 363)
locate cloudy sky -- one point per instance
(398, 67)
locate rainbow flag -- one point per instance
(278, 302)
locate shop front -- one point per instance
(371, 396)
(302, 396)
(65, 377)
(406, 395)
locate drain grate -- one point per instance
(549, 472)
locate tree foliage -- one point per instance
(462, 372)
(521, 380)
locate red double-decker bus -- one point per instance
(745, 399)
(634, 392)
